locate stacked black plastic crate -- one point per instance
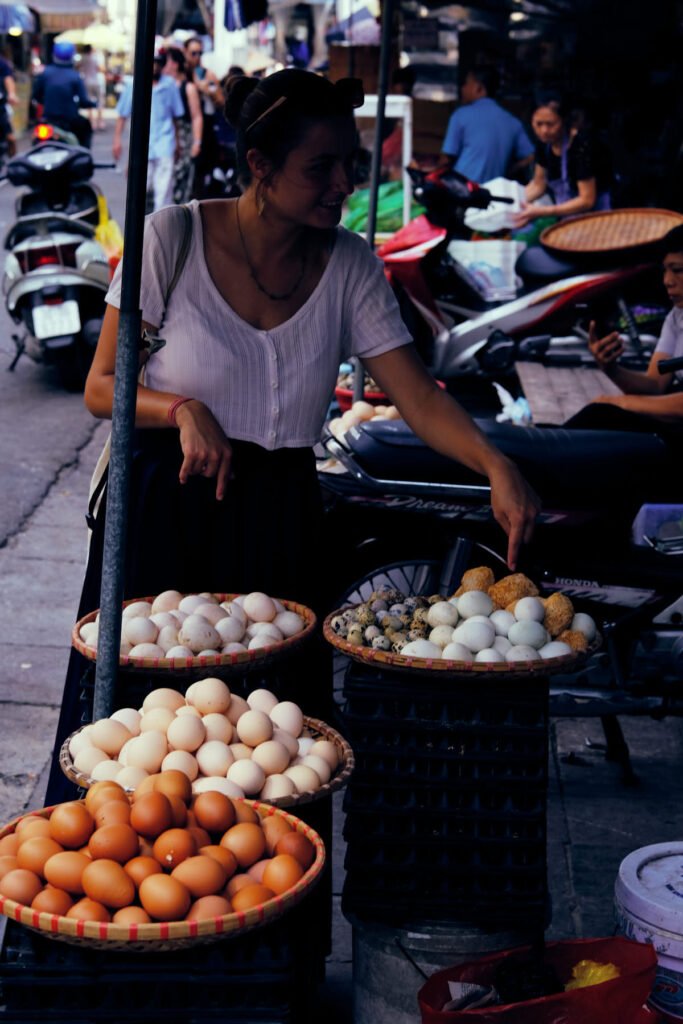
(446, 811)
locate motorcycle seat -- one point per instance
(569, 469)
(44, 224)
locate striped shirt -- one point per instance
(269, 387)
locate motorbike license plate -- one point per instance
(56, 320)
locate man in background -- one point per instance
(61, 91)
(8, 99)
(483, 140)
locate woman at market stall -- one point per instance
(273, 295)
(571, 167)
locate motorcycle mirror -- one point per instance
(670, 365)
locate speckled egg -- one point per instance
(381, 643)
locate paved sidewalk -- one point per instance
(594, 821)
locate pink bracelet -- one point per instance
(173, 409)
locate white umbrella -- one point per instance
(100, 37)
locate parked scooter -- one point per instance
(459, 332)
(411, 516)
(56, 274)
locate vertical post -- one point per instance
(126, 369)
(383, 88)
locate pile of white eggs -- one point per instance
(361, 412)
(256, 747)
(467, 628)
(197, 625)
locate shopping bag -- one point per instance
(619, 1001)
(108, 234)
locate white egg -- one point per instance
(167, 601)
(218, 784)
(489, 654)
(441, 636)
(125, 648)
(475, 635)
(186, 733)
(209, 695)
(555, 649)
(87, 757)
(218, 727)
(527, 633)
(80, 741)
(168, 637)
(213, 613)
(210, 652)
(233, 648)
(260, 641)
(235, 611)
(288, 716)
(502, 644)
(421, 649)
(189, 710)
(106, 770)
(181, 761)
(157, 719)
(238, 706)
(442, 613)
(130, 777)
(583, 623)
(304, 745)
(208, 596)
(146, 651)
(277, 786)
(179, 616)
(191, 603)
(88, 634)
(502, 621)
(230, 629)
(305, 778)
(529, 608)
(291, 743)
(214, 758)
(241, 750)
(254, 727)
(319, 766)
(179, 652)
(198, 634)
(289, 623)
(521, 652)
(272, 756)
(248, 775)
(265, 629)
(163, 697)
(123, 752)
(328, 750)
(135, 609)
(259, 607)
(161, 619)
(146, 751)
(130, 718)
(457, 652)
(262, 700)
(474, 602)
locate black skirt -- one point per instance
(264, 536)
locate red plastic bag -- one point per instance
(619, 1001)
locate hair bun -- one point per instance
(238, 88)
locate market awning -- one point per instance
(59, 15)
(16, 16)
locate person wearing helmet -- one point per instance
(61, 91)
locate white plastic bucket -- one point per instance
(648, 899)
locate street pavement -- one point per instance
(48, 447)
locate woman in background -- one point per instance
(190, 126)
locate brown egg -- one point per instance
(282, 873)
(274, 827)
(178, 810)
(244, 813)
(208, 907)
(256, 870)
(9, 845)
(85, 851)
(52, 901)
(131, 915)
(236, 883)
(151, 815)
(8, 863)
(114, 812)
(147, 785)
(202, 876)
(174, 783)
(100, 792)
(214, 811)
(146, 847)
(246, 841)
(30, 819)
(140, 867)
(64, 871)
(298, 846)
(165, 898)
(71, 824)
(115, 842)
(200, 835)
(33, 826)
(174, 846)
(33, 853)
(223, 856)
(251, 896)
(106, 882)
(21, 885)
(88, 910)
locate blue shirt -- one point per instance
(167, 105)
(485, 140)
(61, 91)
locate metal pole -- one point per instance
(383, 88)
(126, 369)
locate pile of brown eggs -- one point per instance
(160, 856)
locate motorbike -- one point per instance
(416, 520)
(56, 273)
(462, 331)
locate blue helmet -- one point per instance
(63, 53)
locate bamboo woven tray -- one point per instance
(609, 231)
(225, 662)
(461, 669)
(168, 935)
(320, 731)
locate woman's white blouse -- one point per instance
(270, 387)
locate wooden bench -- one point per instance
(555, 393)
